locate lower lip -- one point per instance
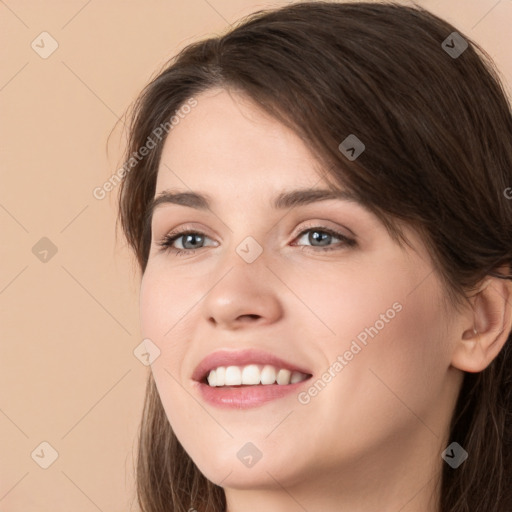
(246, 397)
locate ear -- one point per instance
(491, 318)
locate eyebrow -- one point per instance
(282, 201)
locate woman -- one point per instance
(325, 238)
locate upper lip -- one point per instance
(241, 358)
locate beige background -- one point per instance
(69, 325)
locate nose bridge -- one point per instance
(245, 268)
(243, 289)
(245, 242)
(249, 250)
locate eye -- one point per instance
(191, 241)
(321, 238)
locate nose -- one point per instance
(245, 294)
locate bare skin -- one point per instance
(372, 438)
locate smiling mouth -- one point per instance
(258, 385)
(248, 368)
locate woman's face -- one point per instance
(363, 317)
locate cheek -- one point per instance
(391, 380)
(164, 299)
(151, 305)
(166, 312)
(163, 306)
(400, 367)
(346, 300)
(388, 330)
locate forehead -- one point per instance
(226, 140)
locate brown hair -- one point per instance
(437, 130)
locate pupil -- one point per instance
(188, 238)
(319, 236)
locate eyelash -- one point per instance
(166, 242)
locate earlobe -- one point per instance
(486, 328)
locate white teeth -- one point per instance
(220, 376)
(268, 375)
(253, 374)
(283, 377)
(233, 376)
(296, 377)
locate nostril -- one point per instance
(250, 316)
